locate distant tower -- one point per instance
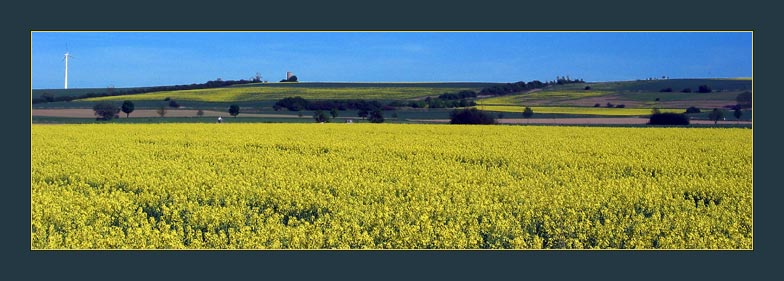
(288, 75)
(67, 55)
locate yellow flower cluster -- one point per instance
(389, 186)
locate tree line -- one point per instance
(464, 98)
(218, 83)
(700, 89)
(520, 86)
(299, 103)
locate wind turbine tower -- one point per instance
(67, 55)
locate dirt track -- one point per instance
(613, 121)
(583, 121)
(89, 113)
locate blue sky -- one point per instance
(133, 59)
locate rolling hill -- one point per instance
(608, 99)
(275, 91)
(666, 94)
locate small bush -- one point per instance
(320, 116)
(669, 119)
(597, 105)
(48, 97)
(716, 115)
(620, 106)
(106, 111)
(363, 113)
(376, 116)
(528, 112)
(692, 109)
(292, 104)
(234, 110)
(471, 116)
(161, 110)
(737, 112)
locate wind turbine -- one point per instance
(67, 55)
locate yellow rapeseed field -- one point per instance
(389, 186)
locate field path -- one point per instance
(89, 113)
(580, 121)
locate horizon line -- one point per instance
(414, 82)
